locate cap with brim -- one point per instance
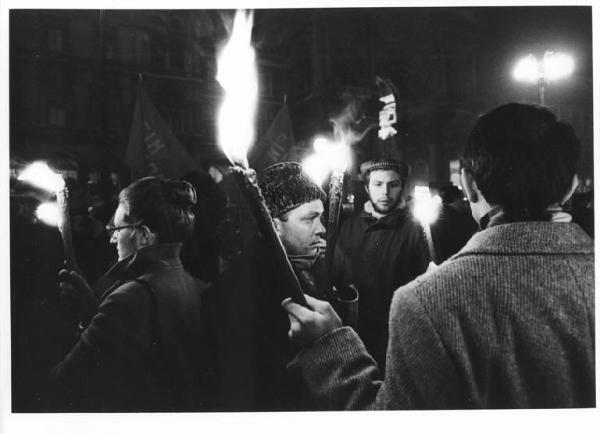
(385, 164)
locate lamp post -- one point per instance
(552, 67)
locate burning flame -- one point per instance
(328, 157)
(335, 154)
(49, 213)
(236, 72)
(314, 167)
(427, 207)
(41, 176)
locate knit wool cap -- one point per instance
(385, 164)
(285, 187)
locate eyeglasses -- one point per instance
(111, 229)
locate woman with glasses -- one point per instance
(139, 346)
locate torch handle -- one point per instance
(336, 187)
(247, 181)
(62, 198)
(429, 238)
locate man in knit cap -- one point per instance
(507, 322)
(379, 249)
(249, 328)
(296, 204)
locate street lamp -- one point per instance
(553, 67)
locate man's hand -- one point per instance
(306, 325)
(73, 286)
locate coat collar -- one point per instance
(144, 260)
(548, 238)
(389, 220)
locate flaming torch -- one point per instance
(236, 73)
(334, 158)
(426, 210)
(39, 175)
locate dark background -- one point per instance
(73, 79)
(73, 75)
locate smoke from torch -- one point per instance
(350, 124)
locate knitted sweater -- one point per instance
(507, 322)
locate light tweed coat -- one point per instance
(508, 322)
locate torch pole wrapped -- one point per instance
(429, 238)
(62, 198)
(336, 187)
(246, 179)
(346, 297)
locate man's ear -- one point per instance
(469, 186)
(147, 237)
(574, 184)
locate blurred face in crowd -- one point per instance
(124, 234)
(301, 229)
(385, 190)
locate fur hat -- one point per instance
(285, 187)
(385, 164)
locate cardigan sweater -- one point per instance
(507, 322)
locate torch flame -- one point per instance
(41, 176)
(329, 156)
(335, 154)
(49, 213)
(427, 207)
(236, 72)
(315, 168)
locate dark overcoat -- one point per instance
(143, 349)
(378, 256)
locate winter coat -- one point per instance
(508, 322)
(143, 349)
(250, 333)
(378, 256)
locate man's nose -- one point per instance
(320, 228)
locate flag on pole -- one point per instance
(153, 150)
(275, 143)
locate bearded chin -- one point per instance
(387, 210)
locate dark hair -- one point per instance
(163, 205)
(523, 159)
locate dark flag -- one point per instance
(153, 150)
(275, 143)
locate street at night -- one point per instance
(218, 211)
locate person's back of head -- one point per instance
(522, 159)
(163, 205)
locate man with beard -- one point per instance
(508, 321)
(380, 249)
(252, 347)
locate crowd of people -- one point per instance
(190, 314)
